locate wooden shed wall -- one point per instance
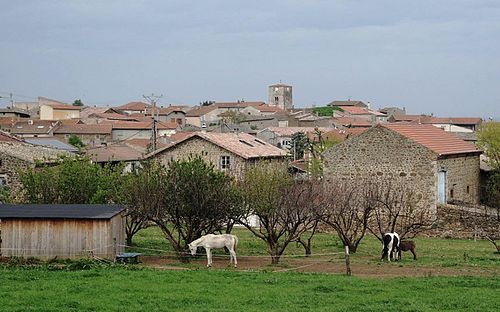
(65, 238)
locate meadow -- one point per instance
(90, 286)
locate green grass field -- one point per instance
(121, 289)
(85, 286)
(430, 251)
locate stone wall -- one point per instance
(209, 152)
(462, 177)
(463, 222)
(9, 172)
(386, 156)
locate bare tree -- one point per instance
(397, 209)
(347, 209)
(285, 208)
(143, 193)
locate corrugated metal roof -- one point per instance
(54, 143)
(435, 139)
(43, 211)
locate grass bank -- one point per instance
(121, 289)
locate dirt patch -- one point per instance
(320, 265)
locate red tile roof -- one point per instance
(352, 122)
(451, 120)
(6, 137)
(143, 125)
(34, 126)
(84, 129)
(242, 144)
(197, 112)
(356, 110)
(289, 131)
(137, 106)
(62, 106)
(114, 153)
(435, 139)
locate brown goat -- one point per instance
(406, 245)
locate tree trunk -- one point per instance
(129, 239)
(306, 245)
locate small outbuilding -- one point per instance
(64, 231)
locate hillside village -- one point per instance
(431, 162)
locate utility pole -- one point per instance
(152, 99)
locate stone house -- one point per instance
(17, 155)
(229, 152)
(91, 135)
(439, 166)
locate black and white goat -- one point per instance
(391, 246)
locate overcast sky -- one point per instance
(440, 57)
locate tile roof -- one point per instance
(451, 120)
(237, 104)
(289, 131)
(6, 137)
(7, 121)
(144, 125)
(115, 152)
(142, 145)
(435, 139)
(197, 112)
(35, 126)
(242, 144)
(351, 122)
(84, 129)
(356, 110)
(74, 211)
(62, 106)
(138, 106)
(280, 85)
(346, 103)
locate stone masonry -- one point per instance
(384, 155)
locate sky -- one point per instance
(429, 56)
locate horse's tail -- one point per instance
(235, 242)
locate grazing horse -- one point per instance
(407, 245)
(210, 241)
(391, 246)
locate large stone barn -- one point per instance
(425, 159)
(63, 231)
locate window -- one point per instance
(468, 189)
(225, 162)
(3, 181)
(276, 99)
(451, 193)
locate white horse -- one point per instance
(210, 241)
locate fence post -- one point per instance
(347, 262)
(114, 249)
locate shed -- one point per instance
(65, 231)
